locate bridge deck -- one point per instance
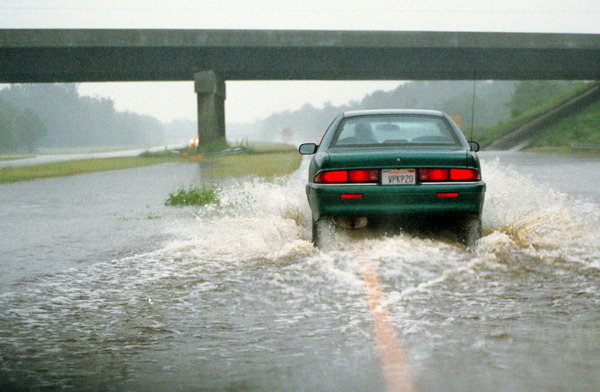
(138, 55)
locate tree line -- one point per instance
(56, 116)
(481, 105)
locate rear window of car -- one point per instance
(415, 130)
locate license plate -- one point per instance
(398, 176)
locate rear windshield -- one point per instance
(415, 130)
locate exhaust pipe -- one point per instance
(351, 223)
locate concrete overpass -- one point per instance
(210, 57)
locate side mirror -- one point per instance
(474, 146)
(308, 148)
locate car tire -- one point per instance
(470, 231)
(319, 228)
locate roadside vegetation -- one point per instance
(266, 160)
(193, 196)
(581, 129)
(531, 99)
(69, 168)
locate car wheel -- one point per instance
(319, 228)
(470, 232)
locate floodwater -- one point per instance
(102, 287)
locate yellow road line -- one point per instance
(397, 375)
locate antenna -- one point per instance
(473, 103)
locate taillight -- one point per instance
(442, 174)
(345, 176)
(433, 175)
(464, 175)
(332, 177)
(364, 175)
(372, 175)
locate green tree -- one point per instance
(31, 129)
(8, 140)
(20, 130)
(55, 115)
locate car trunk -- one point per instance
(396, 158)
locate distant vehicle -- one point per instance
(194, 143)
(395, 167)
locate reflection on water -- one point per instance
(236, 298)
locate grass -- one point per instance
(489, 135)
(583, 127)
(265, 160)
(69, 168)
(268, 148)
(264, 164)
(193, 196)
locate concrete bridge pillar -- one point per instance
(211, 107)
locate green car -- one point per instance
(395, 167)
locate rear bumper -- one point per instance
(378, 201)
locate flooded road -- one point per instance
(105, 288)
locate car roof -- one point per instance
(358, 113)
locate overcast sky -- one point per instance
(247, 101)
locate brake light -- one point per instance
(442, 174)
(464, 175)
(364, 175)
(351, 196)
(372, 175)
(345, 176)
(447, 194)
(433, 175)
(331, 177)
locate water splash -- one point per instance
(270, 221)
(520, 213)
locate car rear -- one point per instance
(376, 184)
(388, 165)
